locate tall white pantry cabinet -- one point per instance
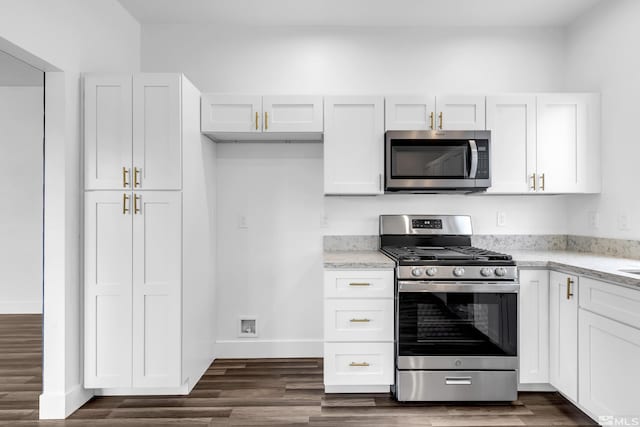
(147, 236)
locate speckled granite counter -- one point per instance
(356, 259)
(582, 263)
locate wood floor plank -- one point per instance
(252, 392)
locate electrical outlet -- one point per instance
(501, 219)
(594, 220)
(623, 222)
(324, 222)
(242, 222)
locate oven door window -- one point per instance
(457, 324)
(430, 160)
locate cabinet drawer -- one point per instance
(358, 320)
(358, 284)
(358, 363)
(609, 300)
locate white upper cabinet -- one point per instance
(253, 117)
(568, 143)
(512, 122)
(287, 113)
(353, 145)
(231, 113)
(107, 131)
(435, 113)
(534, 326)
(133, 136)
(410, 112)
(563, 333)
(157, 148)
(460, 112)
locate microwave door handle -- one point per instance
(473, 170)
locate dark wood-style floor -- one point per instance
(251, 392)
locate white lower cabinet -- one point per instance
(608, 365)
(133, 253)
(534, 327)
(563, 333)
(358, 330)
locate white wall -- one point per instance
(21, 162)
(272, 268)
(17, 73)
(69, 36)
(602, 56)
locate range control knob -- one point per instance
(416, 272)
(431, 271)
(458, 271)
(501, 271)
(486, 272)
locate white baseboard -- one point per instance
(536, 387)
(20, 307)
(146, 391)
(58, 406)
(252, 348)
(357, 388)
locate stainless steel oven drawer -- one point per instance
(450, 386)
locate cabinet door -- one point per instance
(460, 112)
(231, 113)
(562, 139)
(609, 369)
(157, 278)
(512, 122)
(107, 131)
(563, 333)
(157, 134)
(289, 113)
(410, 112)
(353, 145)
(534, 326)
(107, 289)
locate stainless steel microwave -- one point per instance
(431, 161)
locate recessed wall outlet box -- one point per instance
(248, 326)
(501, 219)
(623, 222)
(324, 222)
(594, 219)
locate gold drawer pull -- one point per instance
(569, 292)
(431, 120)
(125, 174)
(136, 177)
(359, 284)
(361, 364)
(360, 320)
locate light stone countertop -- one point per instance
(592, 265)
(357, 260)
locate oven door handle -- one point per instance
(471, 287)
(473, 169)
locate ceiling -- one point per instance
(371, 13)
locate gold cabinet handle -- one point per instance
(431, 120)
(364, 364)
(257, 118)
(125, 199)
(360, 320)
(125, 177)
(136, 207)
(359, 284)
(533, 182)
(440, 117)
(569, 283)
(136, 177)
(542, 182)
(266, 120)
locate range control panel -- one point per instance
(434, 224)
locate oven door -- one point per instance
(424, 160)
(442, 325)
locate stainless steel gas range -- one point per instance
(456, 319)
